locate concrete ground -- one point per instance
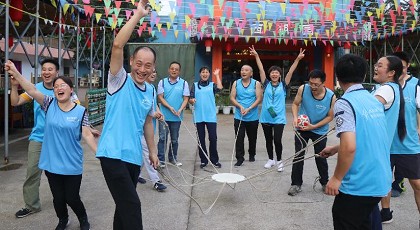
(258, 203)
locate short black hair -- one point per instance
(274, 68)
(351, 68)
(402, 55)
(203, 68)
(52, 61)
(145, 48)
(175, 62)
(66, 79)
(316, 73)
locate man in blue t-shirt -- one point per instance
(362, 176)
(129, 115)
(173, 93)
(316, 101)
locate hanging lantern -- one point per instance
(347, 47)
(15, 14)
(398, 49)
(208, 44)
(329, 49)
(228, 48)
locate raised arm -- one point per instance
(218, 81)
(117, 55)
(259, 64)
(17, 79)
(294, 66)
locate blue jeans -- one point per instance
(173, 129)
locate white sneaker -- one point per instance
(280, 166)
(178, 163)
(270, 163)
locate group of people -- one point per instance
(312, 99)
(362, 177)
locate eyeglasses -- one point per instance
(61, 86)
(314, 85)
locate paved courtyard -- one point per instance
(258, 203)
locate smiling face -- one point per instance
(48, 73)
(246, 72)
(316, 85)
(381, 71)
(152, 77)
(62, 90)
(142, 65)
(204, 74)
(174, 70)
(275, 76)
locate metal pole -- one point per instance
(59, 37)
(91, 54)
(36, 42)
(103, 59)
(6, 88)
(77, 51)
(385, 47)
(402, 43)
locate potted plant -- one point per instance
(226, 104)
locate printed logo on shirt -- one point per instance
(372, 113)
(339, 121)
(320, 107)
(408, 100)
(72, 119)
(146, 102)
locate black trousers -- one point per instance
(321, 163)
(273, 132)
(65, 190)
(251, 130)
(353, 212)
(121, 178)
(212, 130)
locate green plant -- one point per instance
(338, 92)
(222, 99)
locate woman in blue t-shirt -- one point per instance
(202, 97)
(65, 123)
(273, 112)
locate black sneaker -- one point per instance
(25, 212)
(141, 180)
(218, 165)
(159, 186)
(239, 163)
(251, 158)
(386, 216)
(62, 224)
(202, 165)
(84, 223)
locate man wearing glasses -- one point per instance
(317, 102)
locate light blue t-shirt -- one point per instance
(126, 112)
(410, 144)
(37, 133)
(369, 174)
(174, 94)
(246, 96)
(273, 109)
(316, 109)
(205, 105)
(62, 151)
(393, 111)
